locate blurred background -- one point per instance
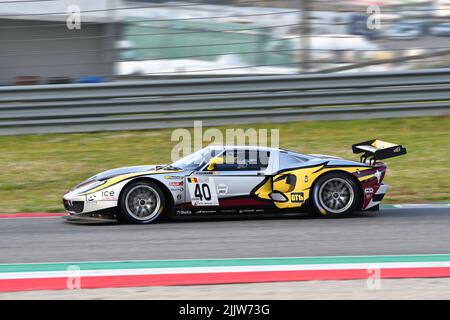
(120, 39)
(251, 55)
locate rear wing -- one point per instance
(376, 150)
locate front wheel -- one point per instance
(141, 202)
(335, 195)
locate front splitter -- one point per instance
(83, 219)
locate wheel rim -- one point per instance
(142, 202)
(336, 195)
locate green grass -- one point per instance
(35, 170)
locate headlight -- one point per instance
(85, 187)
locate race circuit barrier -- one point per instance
(250, 99)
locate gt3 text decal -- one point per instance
(297, 197)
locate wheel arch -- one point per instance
(170, 201)
(352, 177)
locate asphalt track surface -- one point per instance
(389, 231)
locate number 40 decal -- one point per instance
(203, 193)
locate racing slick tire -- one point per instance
(141, 202)
(335, 195)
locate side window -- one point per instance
(245, 160)
(287, 159)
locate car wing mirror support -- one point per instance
(214, 162)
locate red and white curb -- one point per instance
(57, 276)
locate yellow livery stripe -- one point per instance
(370, 176)
(123, 177)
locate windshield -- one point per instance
(195, 160)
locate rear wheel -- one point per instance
(141, 202)
(335, 195)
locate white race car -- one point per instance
(236, 181)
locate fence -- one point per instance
(175, 103)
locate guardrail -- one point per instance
(175, 103)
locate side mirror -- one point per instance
(214, 162)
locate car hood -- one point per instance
(124, 171)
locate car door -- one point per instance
(228, 184)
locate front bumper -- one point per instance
(82, 204)
(80, 201)
(73, 206)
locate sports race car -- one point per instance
(236, 180)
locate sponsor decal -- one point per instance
(369, 193)
(173, 177)
(297, 197)
(91, 197)
(206, 211)
(184, 212)
(108, 195)
(176, 184)
(368, 190)
(222, 189)
(179, 197)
